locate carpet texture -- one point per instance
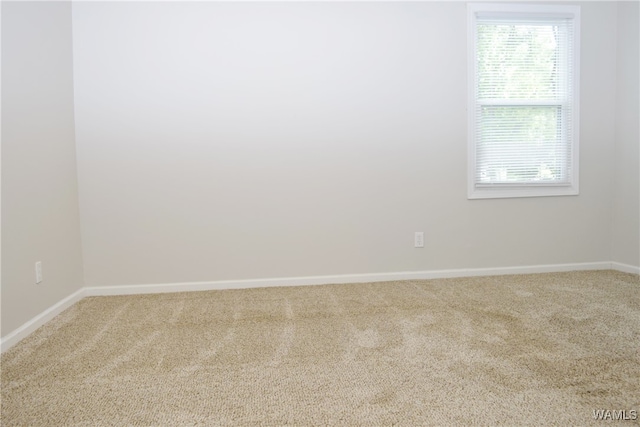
(544, 349)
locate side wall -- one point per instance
(40, 216)
(223, 141)
(626, 206)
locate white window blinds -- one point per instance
(524, 103)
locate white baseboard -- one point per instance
(23, 331)
(625, 268)
(343, 278)
(20, 333)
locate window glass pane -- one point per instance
(519, 61)
(521, 144)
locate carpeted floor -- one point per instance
(546, 349)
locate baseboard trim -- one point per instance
(334, 279)
(625, 268)
(25, 330)
(14, 337)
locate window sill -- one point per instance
(518, 191)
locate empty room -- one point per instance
(320, 213)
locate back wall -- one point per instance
(224, 141)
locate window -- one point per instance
(523, 100)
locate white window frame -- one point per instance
(491, 191)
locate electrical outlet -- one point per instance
(38, 271)
(418, 239)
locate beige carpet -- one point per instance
(544, 349)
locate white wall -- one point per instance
(254, 140)
(40, 217)
(626, 208)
